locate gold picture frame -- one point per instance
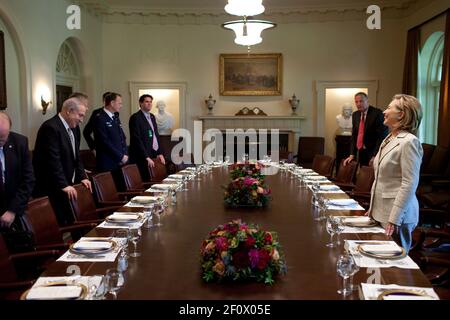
(250, 74)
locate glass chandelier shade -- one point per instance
(248, 31)
(244, 7)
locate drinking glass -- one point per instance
(227, 159)
(345, 266)
(158, 209)
(124, 237)
(315, 190)
(148, 210)
(339, 228)
(112, 281)
(350, 279)
(135, 236)
(331, 227)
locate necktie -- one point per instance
(72, 140)
(2, 177)
(360, 139)
(155, 142)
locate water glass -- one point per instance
(345, 266)
(135, 236)
(148, 211)
(227, 159)
(124, 237)
(113, 281)
(331, 227)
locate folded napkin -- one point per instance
(381, 248)
(342, 202)
(144, 199)
(92, 245)
(189, 169)
(316, 177)
(357, 220)
(164, 186)
(328, 187)
(176, 176)
(54, 292)
(119, 216)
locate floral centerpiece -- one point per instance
(237, 251)
(246, 169)
(247, 191)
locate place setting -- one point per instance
(343, 204)
(360, 224)
(379, 254)
(329, 188)
(93, 249)
(124, 219)
(371, 291)
(63, 288)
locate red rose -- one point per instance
(240, 259)
(268, 238)
(250, 242)
(264, 258)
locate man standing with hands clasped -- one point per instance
(144, 138)
(368, 131)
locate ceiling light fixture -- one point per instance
(248, 30)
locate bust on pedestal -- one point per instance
(164, 120)
(344, 120)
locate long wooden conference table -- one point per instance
(169, 265)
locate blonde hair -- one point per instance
(412, 112)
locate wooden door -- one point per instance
(62, 93)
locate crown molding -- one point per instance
(312, 13)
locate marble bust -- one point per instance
(164, 120)
(344, 120)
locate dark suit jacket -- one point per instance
(53, 159)
(141, 145)
(19, 177)
(110, 142)
(374, 131)
(88, 130)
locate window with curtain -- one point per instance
(430, 71)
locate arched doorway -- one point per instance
(67, 73)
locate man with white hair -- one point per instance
(56, 158)
(16, 175)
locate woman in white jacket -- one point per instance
(397, 165)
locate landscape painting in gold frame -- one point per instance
(250, 74)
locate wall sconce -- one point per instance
(44, 105)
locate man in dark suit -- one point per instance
(16, 174)
(110, 141)
(368, 131)
(56, 158)
(144, 138)
(88, 130)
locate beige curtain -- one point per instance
(410, 69)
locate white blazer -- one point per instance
(393, 195)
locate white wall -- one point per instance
(41, 29)
(311, 51)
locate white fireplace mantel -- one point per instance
(283, 123)
(287, 124)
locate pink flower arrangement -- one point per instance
(237, 251)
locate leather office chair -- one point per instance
(346, 174)
(40, 219)
(106, 191)
(323, 165)
(89, 161)
(360, 190)
(133, 179)
(84, 209)
(159, 172)
(13, 280)
(308, 147)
